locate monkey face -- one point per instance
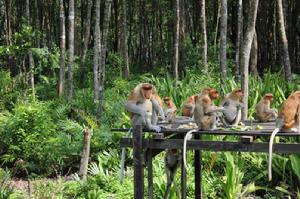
(147, 94)
(269, 96)
(213, 94)
(239, 93)
(167, 100)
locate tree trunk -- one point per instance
(176, 42)
(253, 55)
(284, 41)
(8, 21)
(204, 36)
(61, 87)
(87, 29)
(71, 48)
(223, 35)
(85, 154)
(86, 40)
(31, 61)
(217, 25)
(97, 39)
(103, 52)
(123, 39)
(238, 38)
(246, 48)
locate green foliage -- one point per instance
(233, 176)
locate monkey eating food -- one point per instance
(170, 110)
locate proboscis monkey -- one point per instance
(288, 119)
(170, 109)
(144, 107)
(188, 107)
(232, 113)
(205, 115)
(264, 112)
(172, 162)
(189, 104)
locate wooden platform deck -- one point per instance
(173, 135)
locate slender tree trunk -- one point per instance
(87, 29)
(284, 41)
(86, 40)
(85, 154)
(223, 37)
(123, 39)
(217, 25)
(71, 48)
(103, 52)
(37, 18)
(246, 48)
(204, 36)
(8, 21)
(176, 42)
(31, 61)
(253, 55)
(238, 38)
(96, 50)
(61, 87)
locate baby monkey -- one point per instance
(170, 109)
(264, 112)
(172, 162)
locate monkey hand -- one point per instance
(155, 128)
(240, 105)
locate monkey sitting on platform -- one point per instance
(232, 113)
(264, 112)
(143, 107)
(170, 109)
(288, 119)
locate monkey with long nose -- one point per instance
(288, 119)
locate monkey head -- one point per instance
(213, 94)
(167, 101)
(269, 96)
(238, 93)
(147, 90)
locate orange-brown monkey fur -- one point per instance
(189, 104)
(264, 112)
(289, 118)
(290, 111)
(205, 111)
(170, 110)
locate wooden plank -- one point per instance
(150, 174)
(137, 161)
(216, 146)
(261, 133)
(198, 172)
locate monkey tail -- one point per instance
(122, 166)
(187, 137)
(276, 130)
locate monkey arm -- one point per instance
(158, 108)
(213, 109)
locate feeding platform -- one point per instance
(172, 138)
